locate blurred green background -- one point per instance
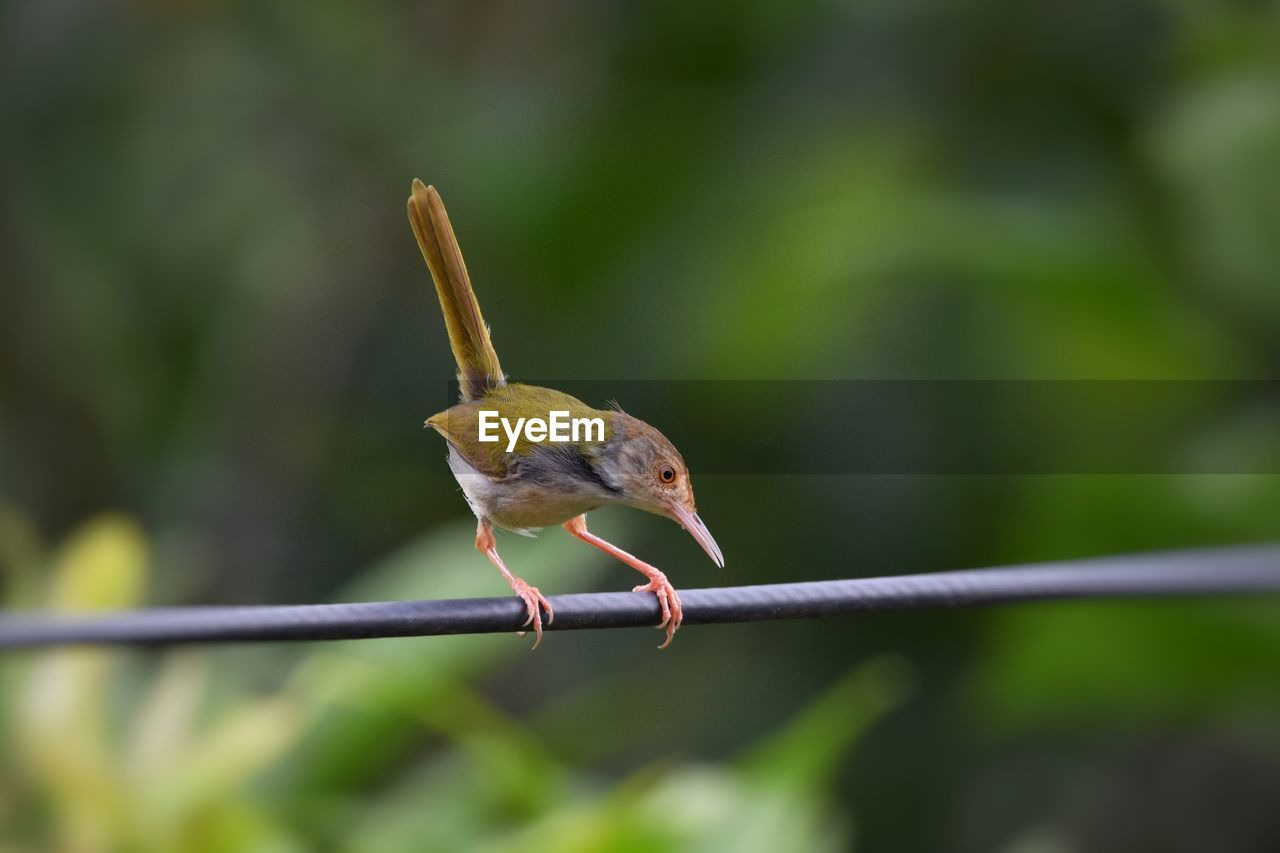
(218, 341)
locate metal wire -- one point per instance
(1226, 571)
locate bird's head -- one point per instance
(649, 474)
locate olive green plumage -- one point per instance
(535, 484)
(478, 367)
(460, 424)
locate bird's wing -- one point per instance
(460, 427)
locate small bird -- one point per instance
(537, 484)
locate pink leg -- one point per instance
(672, 613)
(486, 545)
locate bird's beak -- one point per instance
(688, 519)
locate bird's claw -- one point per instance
(534, 602)
(669, 601)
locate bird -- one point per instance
(527, 484)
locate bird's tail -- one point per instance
(478, 368)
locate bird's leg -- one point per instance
(486, 545)
(668, 600)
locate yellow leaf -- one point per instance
(102, 566)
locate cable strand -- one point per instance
(1225, 571)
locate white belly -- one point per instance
(517, 505)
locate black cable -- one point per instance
(1226, 571)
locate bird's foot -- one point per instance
(533, 601)
(668, 600)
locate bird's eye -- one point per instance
(667, 474)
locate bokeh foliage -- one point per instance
(213, 321)
(112, 755)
